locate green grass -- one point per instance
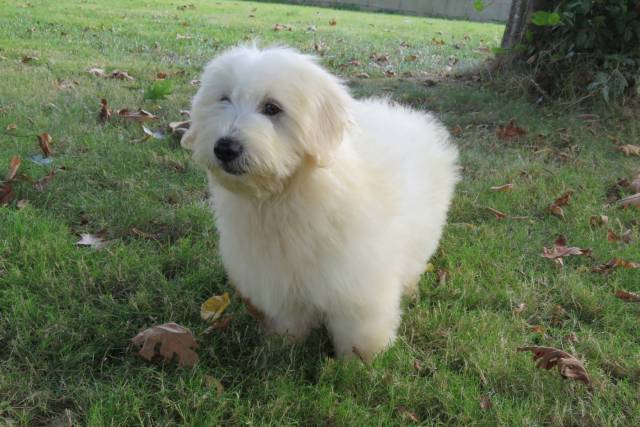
(67, 313)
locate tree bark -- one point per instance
(520, 20)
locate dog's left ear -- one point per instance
(333, 117)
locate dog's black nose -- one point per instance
(227, 149)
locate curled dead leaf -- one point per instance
(511, 130)
(212, 308)
(98, 72)
(613, 264)
(105, 111)
(45, 180)
(138, 115)
(333, 22)
(14, 165)
(633, 200)
(502, 188)
(166, 341)
(598, 220)
(179, 128)
(568, 366)
(499, 215)
(627, 296)
(120, 75)
(560, 250)
(485, 402)
(44, 141)
(556, 206)
(630, 150)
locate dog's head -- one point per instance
(261, 115)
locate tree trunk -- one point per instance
(520, 20)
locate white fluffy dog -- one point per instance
(328, 208)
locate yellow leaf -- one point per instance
(430, 268)
(212, 309)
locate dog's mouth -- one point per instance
(233, 168)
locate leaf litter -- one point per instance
(166, 341)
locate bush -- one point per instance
(587, 46)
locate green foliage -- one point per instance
(479, 5)
(160, 89)
(599, 39)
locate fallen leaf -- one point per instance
(221, 324)
(457, 131)
(6, 193)
(166, 341)
(429, 268)
(511, 130)
(499, 215)
(44, 181)
(627, 296)
(537, 329)
(379, 58)
(560, 250)
(407, 414)
(212, 309)
(572, 337)
(503, 188)
(613, 264)
(633, 200)
(105, 111)
(153, 134)
(92, 240)
(27, 59)
(556, 206)
(14, 165)
(362, 75)
(139, 115)
(485, 402)
(66, 84)
(179, 128)
(630, 150)
(333, 22)
(281, 27)
(437, 42)
(520, 308)
(568, 366)
(598, 220)
(44, 141)
(612, 236)
(389, 73)
(120, 75)
(627, 236)
(11, 127)
(442, 277)
(161, 75)
(98, 72)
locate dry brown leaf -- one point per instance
(556, 206)
(633, 200)
(105, 111)
(11, 127)
(179, 128)
(173, 340)
(6, 193)
(520, 308)
(627, 236)
(27, 59)
(457, 131)
(612, 236)
(442, 277)
(627, 296)
(139, 115)
(511, 130)
(598, 220)
(502, 188)
(630, 150)
(212, 308)
(161, 75)
(572, 337)
(44, 141)
(14, 165)
(66, 84)
(333, 22)
(407, 414)
(281, 27)
(537, 329)
(560, 250)
(94, 241)
(485, 402)
(499, 215)
(98, 72)
(44, 181)
(120, 75)
(568, 366)
(613, 264)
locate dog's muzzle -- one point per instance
(228, 150)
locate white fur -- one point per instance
(342, 203)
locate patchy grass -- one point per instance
(67, 313)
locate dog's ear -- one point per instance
(188, 139)
(333, 117)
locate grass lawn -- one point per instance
(67, 313)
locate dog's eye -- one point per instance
(270, 109)
(225, 99)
